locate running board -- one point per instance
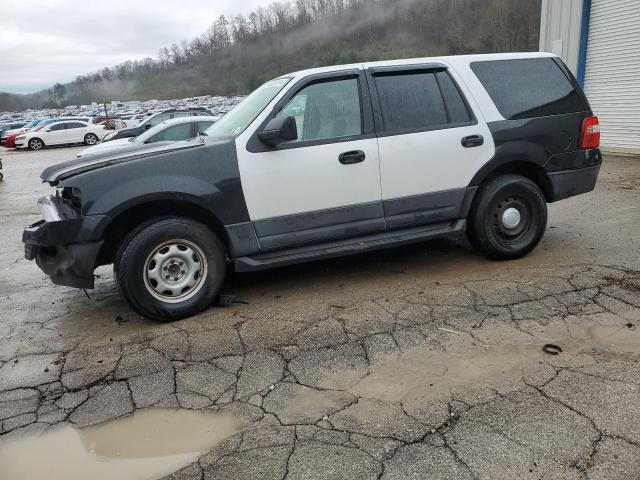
(349, 246)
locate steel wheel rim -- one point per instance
(506, 209)
(175, 271)
(36, 144)
(91, 140)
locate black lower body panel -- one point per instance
(348, 247)
(569, 183)
(71, 265)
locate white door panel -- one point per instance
(76, 135)
(54, 137)
(424, 162)
(308, 179)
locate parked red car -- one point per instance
(9, 140)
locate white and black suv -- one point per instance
(323, 163)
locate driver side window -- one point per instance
(326, 110)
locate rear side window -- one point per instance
(528, 88)
(410, 101)
(456, 107)
(415, 101)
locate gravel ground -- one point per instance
(422, 362)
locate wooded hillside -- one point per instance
(238, 53)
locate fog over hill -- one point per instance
(238, 53)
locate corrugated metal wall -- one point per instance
(560, 30)
(612, 74)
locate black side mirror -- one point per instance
(279, 130)
(147, 126)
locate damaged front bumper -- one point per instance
(66, 249)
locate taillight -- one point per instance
(590, 136)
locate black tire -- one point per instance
(91, 139)
(36, 144)
(135, 257)
(491, 221)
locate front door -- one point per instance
(431, 144)
(56, 134)
(326, 184)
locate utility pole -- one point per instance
(106, 114)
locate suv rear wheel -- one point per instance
(508, 217)
(170, 269)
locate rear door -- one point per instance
(326, 184)
(75, 132)
(432, 142)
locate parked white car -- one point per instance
(61, 133)
(128, 121)
(172, 130)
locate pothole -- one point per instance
(147, 445)
(433, 373)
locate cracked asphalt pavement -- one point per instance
(422, 362)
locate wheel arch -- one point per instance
(528, 169)
(133, 215)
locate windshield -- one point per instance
(240, 117)
(44, 122)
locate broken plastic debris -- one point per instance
(552, 349)
(450, 331)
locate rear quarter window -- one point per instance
(528, 88)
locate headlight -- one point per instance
(108, 136)
(21, 137)
(48, 209)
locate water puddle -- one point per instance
(147, 445)
(432, 374)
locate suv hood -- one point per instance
(61, 171)
(120, 144)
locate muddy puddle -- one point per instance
(434, 373)
(146, 445)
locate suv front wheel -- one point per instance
(170, 269)
(508, 217)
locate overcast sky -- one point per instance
(48, 41)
